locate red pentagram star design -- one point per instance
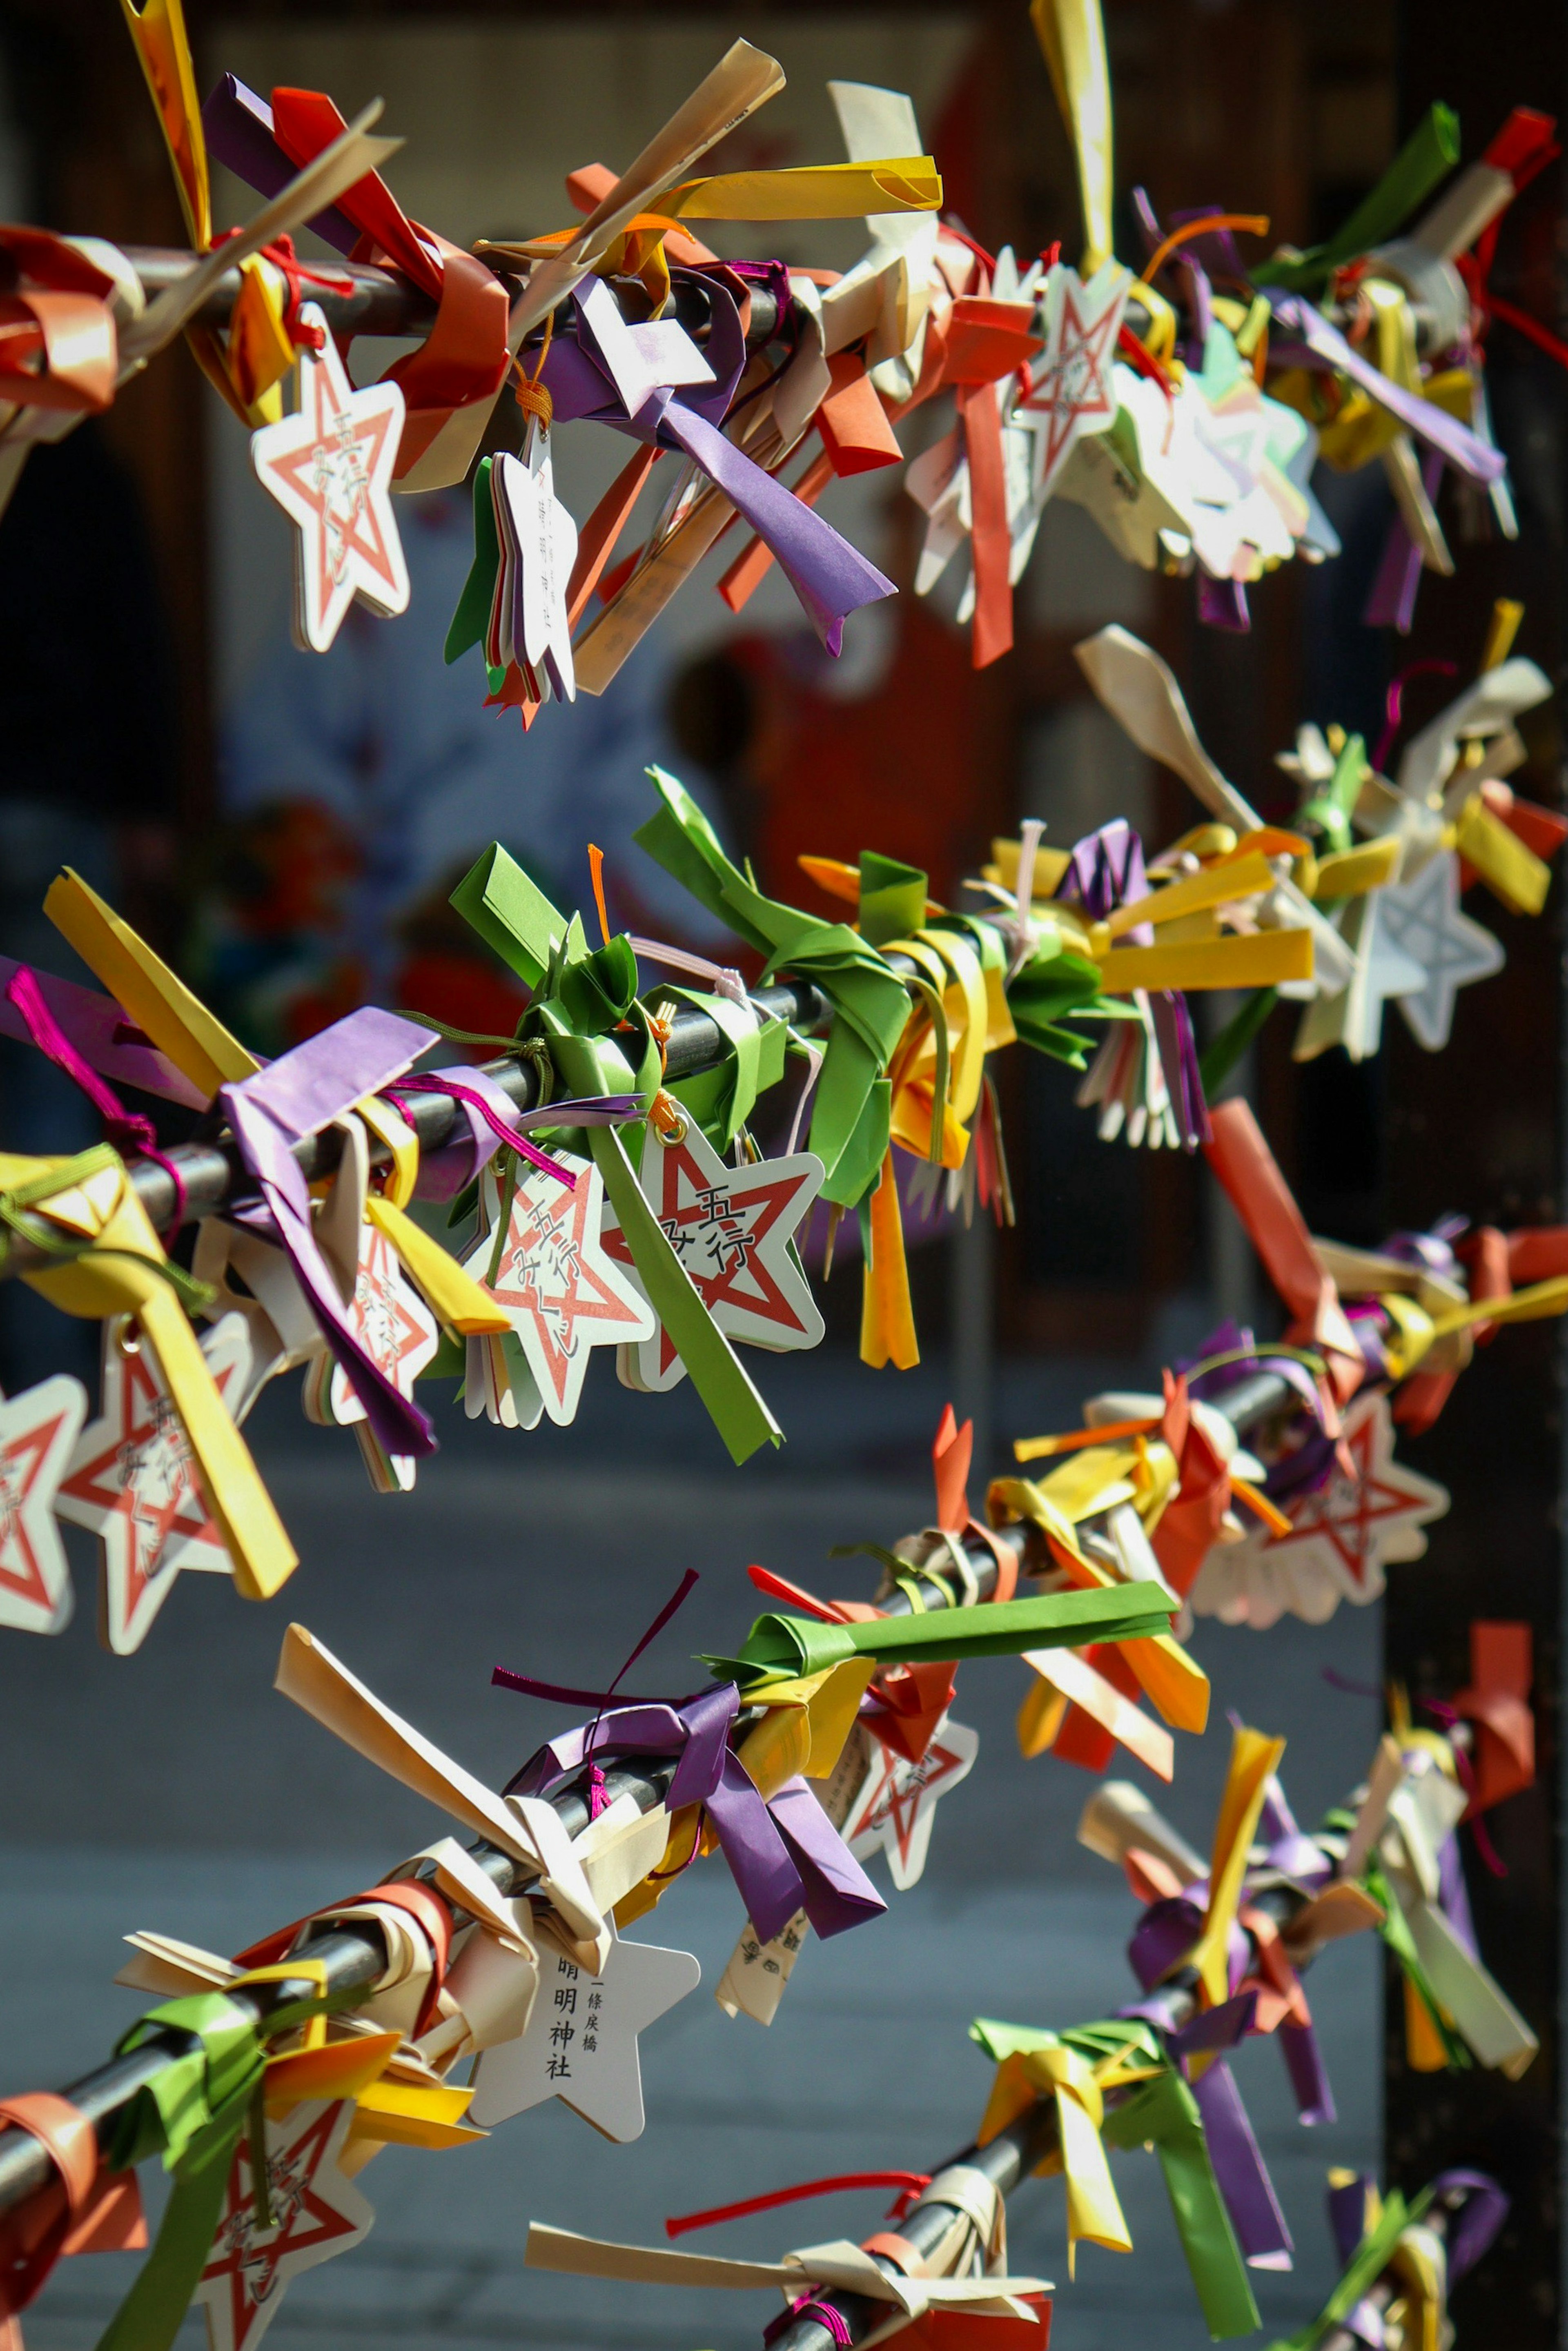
(391, 1321)
(317, 2214)
(330, 467)
(897, 1799)
(38, 1431)
(555, 1279)
(132, 1479)
(730, 1227)
(1373, 1517)
(1076, 385)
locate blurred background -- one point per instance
(286, 828)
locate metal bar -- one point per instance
(356, 299)
(355, 1958)
(214, 1174)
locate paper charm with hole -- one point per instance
(39, 1433)
(733, 1230)
(580, 2042)
(893, 1811)
(330, 466)
(565, 1295)
(132, 1478)
(538, 542)
(315, 2213)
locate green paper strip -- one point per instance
(471, 620)
(1365, 2266)
(738, 1412)
(871, 1003)
(195, 2111)
(1427, 156)
(1221, 1055)
(1165, 2112)
(891, 900)
(511, 914)
(798, 1645)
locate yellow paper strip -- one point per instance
(1350, 873)
(1072, 34)
(902, 184)
(1213, 885)
(1511, 870)
(1253, 1761)
(1268, 960)
(453, 1297)
(145, 989)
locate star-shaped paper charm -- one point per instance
(581, 2043)
(1352, 1016)
(541, 540)
(132, 1479)
(1422, 919)
(731, 1229)
(38, 1431)
(1341, 1538)
(556, 1282)
(396, 1329)
(898, 1800)
(330, 467)
(317, 2214)
(1074, 389)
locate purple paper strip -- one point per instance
(1453, 1895)
(1308, 2074)
(1480, 2215)
(1430, 424)
(1240, 2171)
(831, 579)
(1215, 2028)
(1391, 603)
(1222, 604)
(784, 1855)
(1104, 871)
(94, 1024)
(238, 126)
(1347, 2215)
(724, 349)
(294, 1096)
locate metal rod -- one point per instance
(354, 1957)
(356, 299)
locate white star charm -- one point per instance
(1354, 1017)
(317, 2214)
(1339, 1540)
(38, 1431)
(539, 542)
(556, 1280)
(399, 1332)
(581, 2045)
(732, 1228)
(1422, 919)
(330, 466)
(896, 1804)
(132, 1479)
(1074, 391)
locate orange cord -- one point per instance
(1256, 224)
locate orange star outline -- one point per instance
(102, 1483)
(1344, 1514)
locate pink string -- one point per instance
(806, 2305)
(496, 1124)
(721, 977)
(1395, 703)
(125, 1130)
(1447, 1716)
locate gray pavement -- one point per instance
(177, 1791)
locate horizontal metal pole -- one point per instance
(358, 298)
(355, 1958)
(214, 1175)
